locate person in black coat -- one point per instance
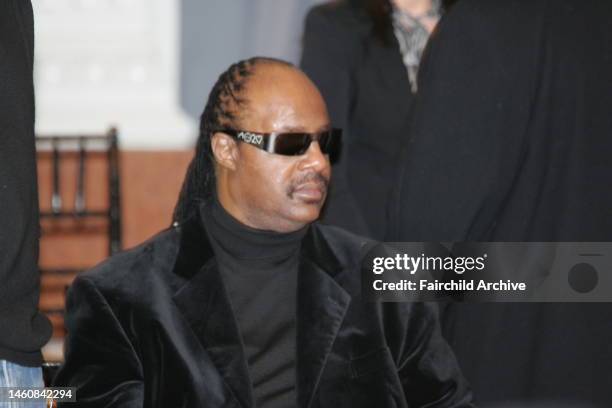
(246, 301)
(511, 141)
(363, 55)
(23, 329)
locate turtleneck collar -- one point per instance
(243, 242)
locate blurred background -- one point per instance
(137, 72)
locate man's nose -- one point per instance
(314, 158)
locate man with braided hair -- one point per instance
(246, 301)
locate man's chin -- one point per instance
(307, 213)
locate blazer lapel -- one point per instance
(204, 303)
(391, 71)
(321, 306)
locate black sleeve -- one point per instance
(23, 330)
(467, 135)
(427, 367)
(330, 51)
(101, 361)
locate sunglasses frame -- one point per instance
(267, 141)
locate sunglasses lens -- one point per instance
(330, 142)
(324, 139)
(291, 144)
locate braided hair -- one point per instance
(225, 101)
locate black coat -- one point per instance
(23, 330)
(512, 141)
(154, 327)
(365, 85)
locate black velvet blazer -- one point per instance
(154, 327)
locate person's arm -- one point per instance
(330, 50)
(427, 367)
(23, 329)
(101, 361)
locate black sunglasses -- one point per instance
(289, 144)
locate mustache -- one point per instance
(321, 181)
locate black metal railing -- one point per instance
(79, 144)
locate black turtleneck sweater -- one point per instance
(259, 269)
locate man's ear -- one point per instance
(225, 150)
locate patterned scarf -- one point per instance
(412, 37)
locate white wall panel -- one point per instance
(146, 66)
